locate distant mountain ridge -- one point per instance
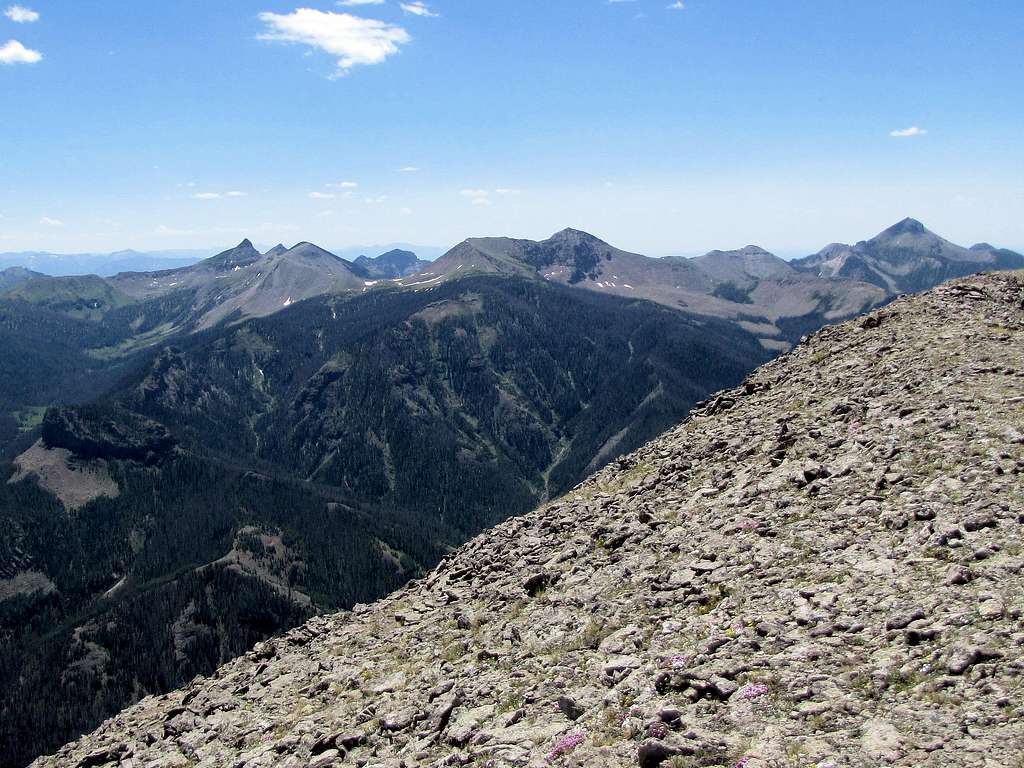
(760, 292)
(242, 282)
(905, 258)
(12, 277)
(390, 266)
(778, 300)
(103, 264)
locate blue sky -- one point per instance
(190, 123)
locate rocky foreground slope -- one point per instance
(822, 567)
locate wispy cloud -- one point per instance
(907, 133)
(343, 185)
(320, 196)
(351, 39)
(417, 8)
(13, 52)
(21, 15)
(46, 221)
(409, 169)
(678, 5)
(477, 196)
(219, 195)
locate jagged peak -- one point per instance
(242, 254)
(277, 250)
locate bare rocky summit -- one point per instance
(821, 567)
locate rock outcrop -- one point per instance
(823, 566)
(106, 433)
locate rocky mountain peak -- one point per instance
(574, 237)
(277, 250)
(241, 255)
(755, 250)
(394, 264)
(820, 563)
(906, 227)
(311, 252)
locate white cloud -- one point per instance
(321, 196)
(21, 14)
(406, 211)
(325, 214)
(418, 8)
(351, 39)
(218, 195)
(344, 185)
(477, 196)
(46, 221)
(409, 169)
(678, 5)
(13, 52)
(506, 191)
(907, 133)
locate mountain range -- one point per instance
(104, 264)
(390, 266)
(768, 296)
(203, 457)
(820, 567)
(906, 258)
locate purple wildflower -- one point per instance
(753, 691)
(743, 762)
(566, 744)
(658, 730)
